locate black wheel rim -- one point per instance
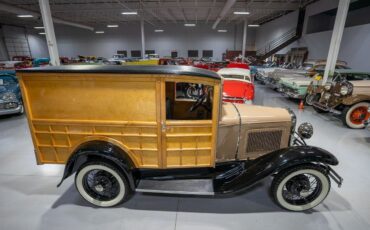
(101, 185)
(302, 189)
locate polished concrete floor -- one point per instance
(29, 198)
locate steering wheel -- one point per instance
(198, 102)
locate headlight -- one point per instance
(327, 87)
(305, 130)
(327, 96)
(293, 118)
(344, 90)
(8, 96)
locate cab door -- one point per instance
(188, 134)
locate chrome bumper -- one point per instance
(288, 93)
(326, 108)
(18, 109)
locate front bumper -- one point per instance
(7, 108)
(326, 108)
(291, 93)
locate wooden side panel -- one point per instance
(64, 110)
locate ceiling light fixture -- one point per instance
(189, 24)
(112, 26)
(129, 13)
(25, 16)
(241, 12)
(99, 32)
(158, 31)
(222, 31)
(253, 25)
(42, 33)
(38, 27)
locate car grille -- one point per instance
(8, 105)
(263, 141)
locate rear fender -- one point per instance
(250, 172)
(100, 151)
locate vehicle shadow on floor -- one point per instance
(255, 199)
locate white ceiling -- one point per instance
(95, 13)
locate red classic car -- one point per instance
(237, 85)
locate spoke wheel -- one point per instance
(301, 188)
(354, 116)
(101, 184)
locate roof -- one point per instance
(236, 71)
(126, 69)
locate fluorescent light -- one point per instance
(222, 31)
(99, 32)
(241, 12)
(129, 13)
(43, 33)
(158, 31)
(38, 27)
(25, 16)
(112, 26)
(253, 25)
(189, 24)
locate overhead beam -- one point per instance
(17, 10)
(223, 12)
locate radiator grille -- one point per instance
(262, 141)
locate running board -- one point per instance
(186, 187)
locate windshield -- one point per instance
(6, 80)
(307, 66)
(234, 76)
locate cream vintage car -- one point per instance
(349, 99)
(126, 129)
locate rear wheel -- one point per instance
(300, 188)
(101, 184)
(354, 116)
(311, 98)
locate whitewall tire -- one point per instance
(101, 184)
(355, 115)
(301, 188)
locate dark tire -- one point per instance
(309, 99)
(102, 184)
(296, 182)
(351, 119)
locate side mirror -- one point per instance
(305, 130)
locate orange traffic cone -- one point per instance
(301, 105)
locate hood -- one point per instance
(9, 88)
(251, 114)
(235, 88)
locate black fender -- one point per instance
(100, 150)
(249, 172)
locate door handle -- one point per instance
(163, 124)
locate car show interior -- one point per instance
(184, 114)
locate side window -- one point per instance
(357, 77)
(188, 101)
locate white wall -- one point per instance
(74, 41)
(355, 45)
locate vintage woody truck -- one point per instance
(123, 129)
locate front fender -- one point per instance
(274, 162)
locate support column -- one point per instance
(336, 38)
(142, 38)
(244, 38)
(49, 30)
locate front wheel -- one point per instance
(301, 188)
(309, 99)
(101, 184)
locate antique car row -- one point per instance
(346, 93)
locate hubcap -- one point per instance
(359, 115)
(101, 185)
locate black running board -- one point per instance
(185, 187)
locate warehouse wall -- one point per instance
(355, 45)
(74, 41)
(274, 29)
(3, 52)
